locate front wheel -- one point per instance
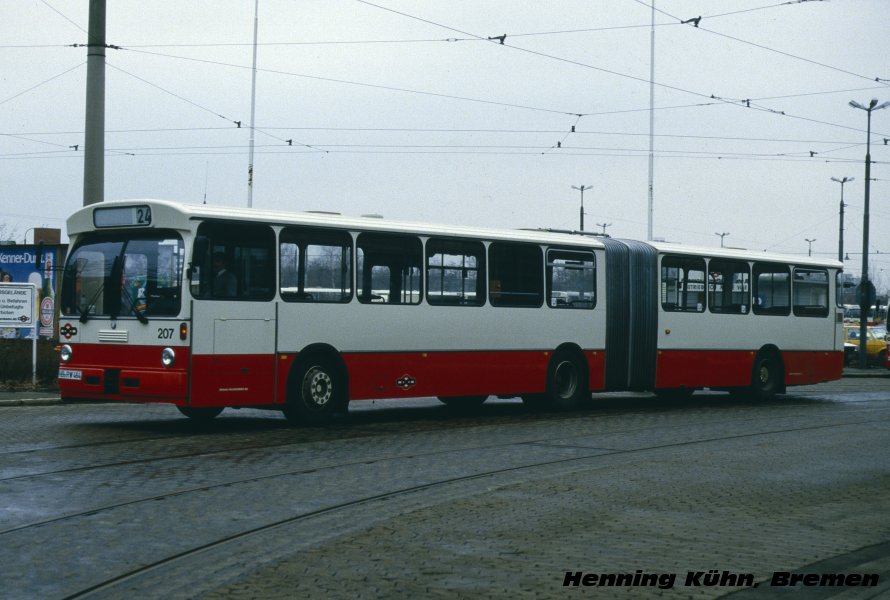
(315, 392)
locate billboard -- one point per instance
(17, 265)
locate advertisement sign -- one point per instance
(17, 265)
(18, 304)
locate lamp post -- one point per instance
(840, 235)
(722, 235)
(581, 189)
(603, 225)
(810, 242)
(864, 287)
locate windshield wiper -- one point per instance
(85, 310)
(140, 315)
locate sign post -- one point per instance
(18, 308)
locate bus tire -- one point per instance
(462, 402)
(200, 414)
(566, 380)
(766, 375)
(316, 391)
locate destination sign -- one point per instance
(122, 216)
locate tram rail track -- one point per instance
(598, 453)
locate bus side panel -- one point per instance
(713, 368)
(703, 368)
(806, 367)
(233, 379)
(596, 368)
(414, 374)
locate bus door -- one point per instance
(233, 315)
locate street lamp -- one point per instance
(603, 225)
(864, 287)
(810, 242)
(840, 235)
(722, 235)
(581, 189)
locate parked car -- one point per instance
(876, 349)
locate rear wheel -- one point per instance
(316, 391)
(566, 380)
(200, 414)
(766, 376)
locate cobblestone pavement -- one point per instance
(409, 500)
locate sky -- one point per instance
(419, 110)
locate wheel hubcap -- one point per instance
(318, 387)
(566, 379)
(764, 374)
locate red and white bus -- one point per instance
(208, 307)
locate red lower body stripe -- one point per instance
(136, 374)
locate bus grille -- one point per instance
(118, 336)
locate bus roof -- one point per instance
(176, 215)
(742, 254)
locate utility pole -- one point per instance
(581, 189)
(256, 20)
(651, 123)
(94, 123)
(722, 235)
(840, 235)
(864, 284)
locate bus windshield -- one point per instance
(124, 276)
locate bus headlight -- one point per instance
(65, 352)
(168, 357)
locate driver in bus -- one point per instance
(224, 283)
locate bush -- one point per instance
(15, 363)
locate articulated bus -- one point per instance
(207, 307)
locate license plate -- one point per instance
(70, 374)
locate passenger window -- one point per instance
(516, 275)
(810, 287)
(772, 289)
(682, 284)
(316, 265)
(571, 279)
(389, 268)
(238, 262)
(455, 272)
(839, 289)
(729, 290)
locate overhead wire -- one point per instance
(44, 82)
